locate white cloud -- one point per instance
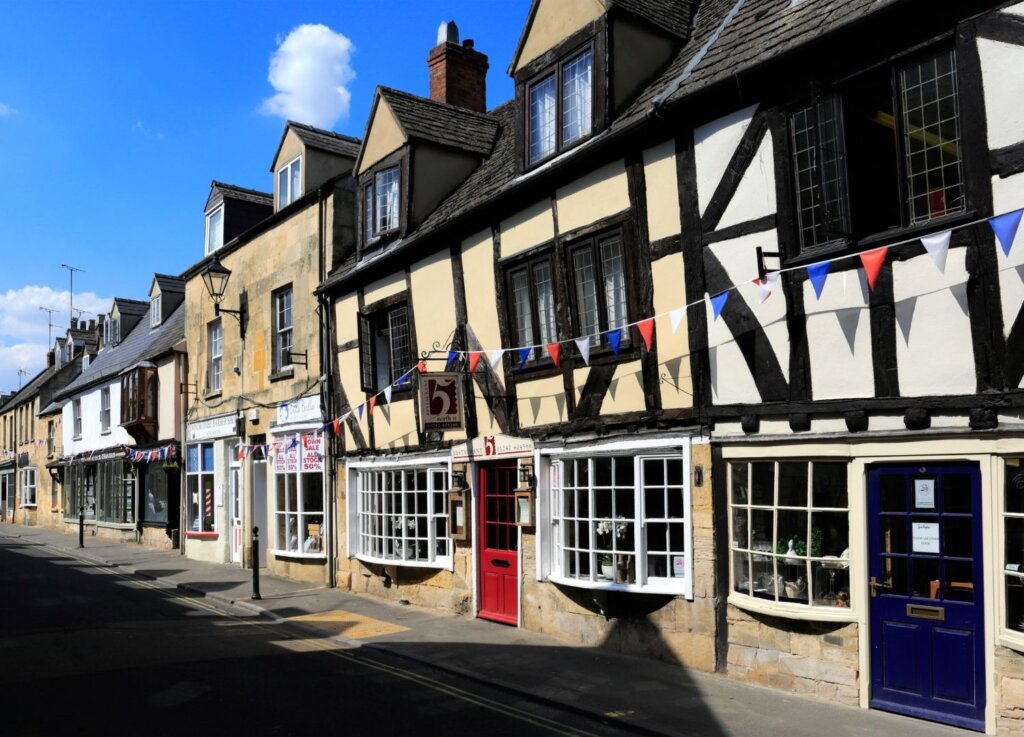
(21, 318)
(142, 129)
(29, 357)
(23, 326)
(6, 110)
(310, 70)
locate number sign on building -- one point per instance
(440, 401)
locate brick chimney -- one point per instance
(458, 74)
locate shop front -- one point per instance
(882, 574)
(209, 448)
(297, 521)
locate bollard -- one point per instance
(256, 563)
(81, 527)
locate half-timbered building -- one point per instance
(730, 288)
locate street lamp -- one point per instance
(215, 277)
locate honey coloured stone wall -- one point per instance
(658, 626)
(816, 659)
(1009, 692)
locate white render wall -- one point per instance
(92, 438)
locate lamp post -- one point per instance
(215, 277)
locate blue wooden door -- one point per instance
(926, 613)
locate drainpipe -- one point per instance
(182, 480)
(326, 396)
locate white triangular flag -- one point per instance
(496, 358)
(387, 395)
(583, 346)
(677, 316)
(937, 246)
(766, 285)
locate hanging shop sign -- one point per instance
(215, 427)
(441, 401)
(492, 447)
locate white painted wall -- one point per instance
(755, 196)
(934, 352)
(839, 337)
(731, 380)
(92, 438)
(1002, 68)
(714, 145)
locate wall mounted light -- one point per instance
(215, 277)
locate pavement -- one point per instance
(637, 695)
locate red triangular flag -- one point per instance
(474, 359)
(373, 402)
(555, 351)
(337, 426)
(422, 367)
(872, 262)
(646, 328)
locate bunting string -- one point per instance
(936, 246)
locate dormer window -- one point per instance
(560, 106)
(154, 312)
(214, 230)
(289, 183)
(381, 203)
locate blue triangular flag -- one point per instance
(361, 411)
(403, 379)
(452, 355)
(1005, 227)
(614, 338)
(818, 273)
(524, 354)
(718, 302)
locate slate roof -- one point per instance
(169, 283)
(671, 15)
(131, 306)
(718, 48)
(238, 193)
(142, 343)
(447, 125)
(325, 140)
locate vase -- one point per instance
(608, 571)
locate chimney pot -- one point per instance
(458, 74)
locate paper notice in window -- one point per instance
(924, 493)
(926, 537)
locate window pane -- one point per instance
(282, 188)
(545, 301)
(401, 353)
(817, 140)
(931, 137)
(586, 294)
(614, 283)
(523, 317)
(542, 119)
(215, 231)
(295, 185)
(576, 97)
(368, 215)
(386, 183)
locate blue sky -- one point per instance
(115, 116)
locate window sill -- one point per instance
(212, 394)
(1011, 639)
(104, 432)
(286, 373)
(680, 589)
(306, 556)
(76, 437)
(28, 506)
(116, 525)
(202, 535)
(792, 611)
(440, 564)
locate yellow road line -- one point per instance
(330, 649)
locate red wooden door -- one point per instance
(499, 544)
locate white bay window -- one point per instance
(623, 521)
(402, 515)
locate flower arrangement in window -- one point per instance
(796, 545)
(605, 529)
